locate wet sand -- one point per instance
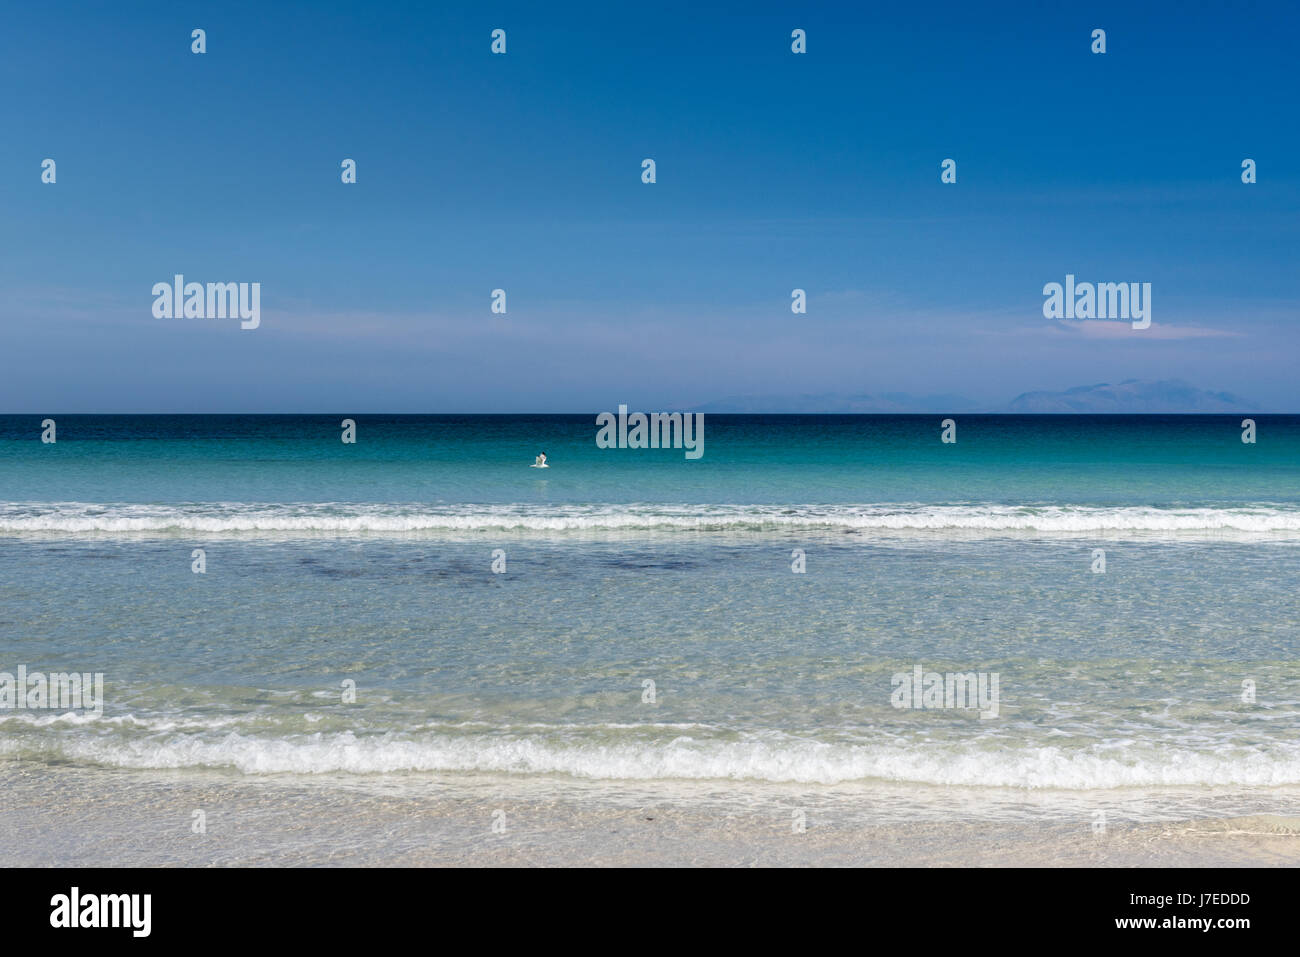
(72, 816)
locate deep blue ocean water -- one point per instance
(782, 460)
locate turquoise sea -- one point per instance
(646, 622)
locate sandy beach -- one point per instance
(110, 818)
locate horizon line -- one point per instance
(1246, 412)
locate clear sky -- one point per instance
(774, 171)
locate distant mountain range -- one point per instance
(1129, 396)
(1132, 395)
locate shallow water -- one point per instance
(373, 564)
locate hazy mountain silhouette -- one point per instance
(1129, 396)
(1132, 395)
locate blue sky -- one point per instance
(522, 171)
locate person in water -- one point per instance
(541, 460)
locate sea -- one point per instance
(422, 608)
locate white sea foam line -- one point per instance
(686, 758)
(77, 517)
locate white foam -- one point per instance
(770, 757)
(218, 518)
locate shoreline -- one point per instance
(115, 818)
